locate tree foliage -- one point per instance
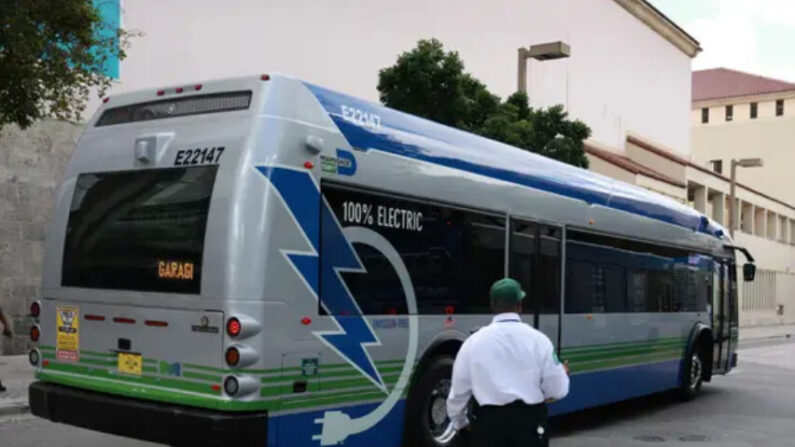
(431, 82)
(51, 57)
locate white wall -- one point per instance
(622, 76)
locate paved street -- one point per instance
(751, 407)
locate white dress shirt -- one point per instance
(504, 362)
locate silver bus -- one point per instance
(262, 261)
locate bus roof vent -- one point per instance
(172, 108)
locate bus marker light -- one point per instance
(590, 222)
(449, 310)
(45, 363)
(233, 327)
(197, 87)
(179, 90)
(105, 99)
(94, 318)
(123, 320)
(35, 309)
(156, 323)
(232, 356)
(265, 77)
(309, 165)
(306, 321)
(216, 387)
(589, 316)
(161, 92)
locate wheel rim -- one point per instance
(695, 371)
(439, 424)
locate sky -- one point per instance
(757, 36)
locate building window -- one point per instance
(729, 113)
(779, 107)
(754, 110)
(717, 166)
(705, 115)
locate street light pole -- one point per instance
(540, 52)
(743, 163)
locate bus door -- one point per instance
(721, 301)
(535, 261)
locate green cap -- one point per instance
(506, 292)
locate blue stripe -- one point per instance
(410, 136)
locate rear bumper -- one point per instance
(150, 421)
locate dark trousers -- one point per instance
(514, 425)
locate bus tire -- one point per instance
(693, 373)
(426, 396)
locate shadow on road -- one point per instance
(626, 411)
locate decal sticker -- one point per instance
(67, 338)
(309, 367)
(354, 336)
(343, 164)
(170, 369)
(391, 323)
(361, 118)
(204, 326)
(200, 156)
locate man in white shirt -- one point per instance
(512, 371)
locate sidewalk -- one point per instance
(16, 374)
(748, 333)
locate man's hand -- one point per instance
(566, 367)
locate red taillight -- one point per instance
(306, 321)
(123, 320)
(161, 92)
(232, 356)
(35, 309)
(309, 165)
(233, 327)
(197, 87)
(265, 77)
(155, 323)
(35, 333)
(179, 90)
(90, 317)
(449, 310)
(105, 99)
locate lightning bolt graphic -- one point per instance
(302, 197)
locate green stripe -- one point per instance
(324, 375)
(160, 382)
(280, 370)
(624, 353)
(626, 361)
(171, 397)
(200, 376)
(327, 386)
(668, 340)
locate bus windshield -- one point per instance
(138, 230)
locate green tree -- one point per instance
(51, 57)
(431, 82)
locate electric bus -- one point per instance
(263, 261)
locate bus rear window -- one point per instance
(172, 108)
(138, 230)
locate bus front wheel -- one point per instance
(693, 376)
(427, 424)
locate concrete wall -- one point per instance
(622, 76)
(31, 163)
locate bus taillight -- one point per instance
(233, 327)
(35, 333)
(35, 309)
(231, 385)
(232, 356)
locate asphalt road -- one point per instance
(753, 406)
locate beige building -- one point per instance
(734, 115)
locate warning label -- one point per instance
(67, 341)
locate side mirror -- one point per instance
(749, 271)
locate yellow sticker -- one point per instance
(175, 270)
(67, 339)
(130, 363)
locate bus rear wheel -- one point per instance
(693, 376)
(427, 424)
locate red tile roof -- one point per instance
(631, 165)
(718, 83)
